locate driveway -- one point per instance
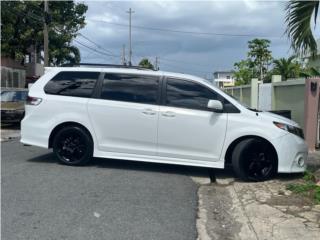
(42, 199)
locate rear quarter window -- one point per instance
(75, 84)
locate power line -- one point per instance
(99, 46)
(92, 49)
(185, 32)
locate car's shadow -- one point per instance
(160, 168)
(132, 166)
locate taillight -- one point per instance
(33, 101)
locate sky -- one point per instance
(217, 32)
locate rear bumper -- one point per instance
(33, 134)
(292, 153)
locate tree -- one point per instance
(22, 27)
(243, 72)
(287, 68)
(260, 55)
(146, 63)
(298, 20)
(309, 72)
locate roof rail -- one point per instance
(104, 65)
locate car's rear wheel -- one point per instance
(254, 160)
(73, 146)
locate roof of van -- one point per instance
(125, 70)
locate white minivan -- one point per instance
(129, 113)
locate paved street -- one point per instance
(109, 199)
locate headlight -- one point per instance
(291, 129)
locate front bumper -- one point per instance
(292, 153)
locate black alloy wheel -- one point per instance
(73, 146)
(254, 160)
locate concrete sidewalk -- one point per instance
(231, 209)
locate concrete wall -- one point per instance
(286, 95)
(241, 93)
(290, 95)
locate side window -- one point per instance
(76, 84)
(130, 88)
(187, 94)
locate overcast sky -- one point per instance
(198, 54)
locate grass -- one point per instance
(307, 187)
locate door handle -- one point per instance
(148, 111)
(168, 114)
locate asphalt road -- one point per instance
(109, 199)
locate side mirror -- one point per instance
(215, 105)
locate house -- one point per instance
(14, 74)
(314, 62)
(223, 78)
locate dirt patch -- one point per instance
(292, 200)
(220, 221)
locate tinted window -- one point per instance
(130, 88)
(187, 94)
(77, 84)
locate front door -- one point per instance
(125, 117)
(187, 128)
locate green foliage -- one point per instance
(259, 58)
(260, 55)
(146, 63)
(287, 68)
(309, 177)
(308, 188)
(310, 72)
(22, 27)
(298, 20)
(243, 72)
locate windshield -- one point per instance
(13, 96)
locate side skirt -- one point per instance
(157, 159)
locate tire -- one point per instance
(254, 160)
(73, 146)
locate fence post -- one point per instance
(274, 79)
(254, 92)
(311, 112)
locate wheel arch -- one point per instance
(56, 129)
(228, 154)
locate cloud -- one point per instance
(197, 54)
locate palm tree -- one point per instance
(287, 68)
(298, 19)
(310, 72)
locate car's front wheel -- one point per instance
(73, 146)
(254, 160)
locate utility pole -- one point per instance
(45, 34)
(123, 55)
(130, 47)
(156, 65)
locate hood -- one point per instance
(278, 118)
